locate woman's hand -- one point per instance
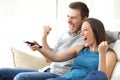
(103, 46)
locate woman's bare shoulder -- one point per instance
(78, 48)
(111, 54)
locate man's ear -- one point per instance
(85, 18)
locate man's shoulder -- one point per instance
(112, 35)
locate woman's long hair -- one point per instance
(98, 29)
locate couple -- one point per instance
(93, 56)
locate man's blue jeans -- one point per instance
(32, 74)
(24, 74)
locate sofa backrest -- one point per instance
(116, 71)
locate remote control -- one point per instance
(31, 43)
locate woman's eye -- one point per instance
(85, 29)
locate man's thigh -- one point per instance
(34, 76)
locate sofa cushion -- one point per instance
(25, 60)
(116, 71)
(116, 48)
(112, 36)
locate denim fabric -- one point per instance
(24, 74)
(47, 70)
(10, 73)
(32, 74)
(58, 78)
(35, 76)
(96, 75)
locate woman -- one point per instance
(94, 55)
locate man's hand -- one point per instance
(46, 30)
(35, 46)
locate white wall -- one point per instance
(23, 20)
(106, 11)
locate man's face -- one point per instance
(74, 20)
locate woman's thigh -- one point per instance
(96, 75)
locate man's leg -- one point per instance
(35, 76)
(10, 73)
(47, 70)
(58, 78)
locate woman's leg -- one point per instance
(10, 73)
(35, 76)
(96, 75)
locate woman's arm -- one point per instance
(59, 56)
(111, 60)
(107, 59)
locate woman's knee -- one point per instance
(96, 75)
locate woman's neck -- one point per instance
(93, 48)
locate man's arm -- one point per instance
(46, 31)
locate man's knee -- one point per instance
(20, 76)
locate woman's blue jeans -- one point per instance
(96, 75)
(24, 74)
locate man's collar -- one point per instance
(74, 34)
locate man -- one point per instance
(77, 12)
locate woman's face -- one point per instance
(87, 34)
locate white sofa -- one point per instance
(25, 60)
(116, 72)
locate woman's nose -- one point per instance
(81, 33)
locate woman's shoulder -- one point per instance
(111, 52)
(78, 48)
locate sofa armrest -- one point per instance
(25, 60)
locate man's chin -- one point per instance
(71, 31)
